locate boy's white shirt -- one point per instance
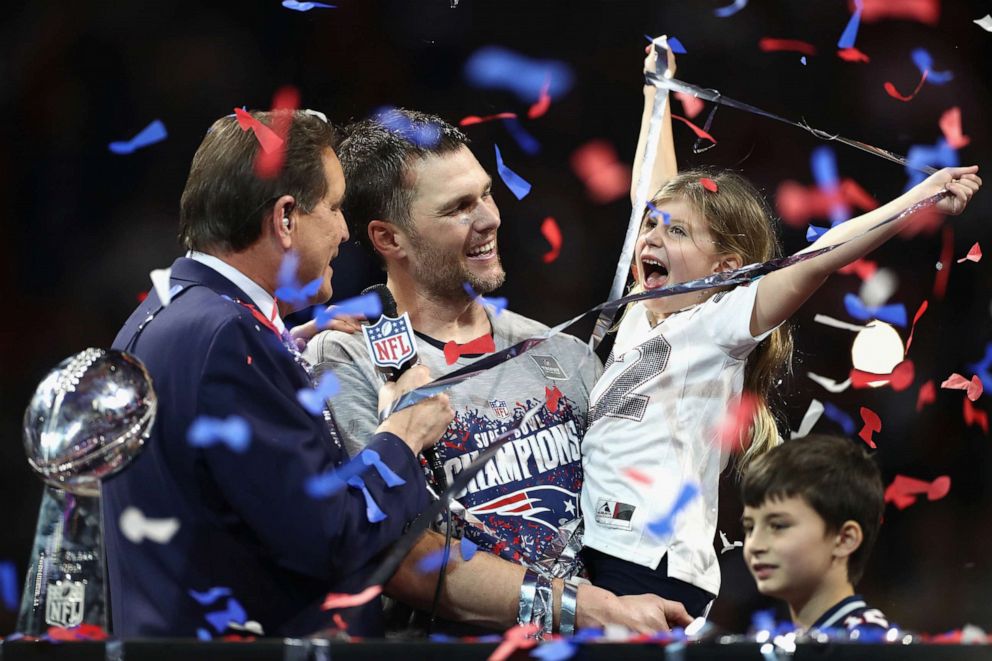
(676, 439)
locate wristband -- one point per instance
(569, 595)
(536, 603)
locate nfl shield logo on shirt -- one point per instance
(499, 407)
(390, 341)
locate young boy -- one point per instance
(812, 509)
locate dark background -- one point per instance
(84, 226)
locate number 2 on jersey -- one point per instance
(618, 399)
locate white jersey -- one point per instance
(664, 391)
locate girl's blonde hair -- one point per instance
(740, 222)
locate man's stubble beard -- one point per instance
(444, 275)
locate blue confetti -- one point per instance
(365, 305)
(813, 232)
(495, 67)
(556, 650)
(664, 525)
(823, 163)
(289, 290)
(425, 135)
(305, 6)
(154, 132)
(838, 416)
(527, 143)
(432, 562)
(924, 62)
(468, 548)
(981, 368)
(676, 46)
(370, 457)
(655, 212)
(730, 10)
(203, 634)
(517, 184)
(497, 303)
(372, 510)
(763, 620)
(920, 156)
(210, 596)
(9, 585)
(233, 613)
(894, 313)
(850, 34)
(234, 432)
(803, 60)
(327, 484)
(587, 635)
(313, 399)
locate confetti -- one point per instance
(517, 185)
(468, 548)
(154, 132)
(923, 11)
(838, 416)
(973, 416)
(872, 424)
(482, 344)
(700, 133)
(730, 10)
(655, 212)
(810, 418)
(708, 184)
(665, 525)
(555, 650)
(891, 90)
(903, 490)
(974, 255)
(337, 600)
(674, 45)
(339, 622)
(313, 399)
(924, 62)
(267, 138)
(769, 45)
(940, 154)
(518, 637)
(837, 323)
(305, 6)
(9, 585)
(985, 22)
(916, 318)
(471, 120)
(425, 135)
(691, 104)
(78, 633)
(813, 232)
(727, 544)
(160, 282)
(973, 388)
(828, 384)
(852, 55)
(372, 510)
(269, 162)
(823, 163)
(850, 34)
(234, 612)
(551, 397)
(863, 268)
(368, 306)
(551, 232)
(638, 476)
(944, 265)
(878, 289)
(289, 290)
(899, 379)
(981, 368)
(433, 561)
(597, 165)
(495, 304)
(894, 314)
(527, 143)
(233, 431)
(734, 431)
(495, 67)
(210, 596)
(136, 528)
(927, 395)
(543, 101)
(950, 126)
(331, 482)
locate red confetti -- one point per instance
(797, 204)
(891, 90)
(973, 416)
(734, 431)
(974, 255)
(551, 232)
(339, 622)
(481, 344)
(551, 397)
(852, 193)
(516, 638)
(872, 424)
(769, 44)
(77, 633)
(691, 104)
(637, 476)
(950, 126)
(928, 395)
(708, 184)
(923, 11)
(605, 177)
(543, 101)
(973, 389)
(475, 119)
(852, 55)
(863, 268)
(939, 488)
(268, 163)
(266, 137)
(339, 600)
(142, 296)
(903, 491)
(900, 378)
(249, 360)
(916, 318)
(695, 129)
(946, 255)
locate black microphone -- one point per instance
(394, 373)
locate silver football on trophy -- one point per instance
(88, 418)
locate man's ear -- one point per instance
(848, 539)
(387, 239)
(728, 262)
(282, 220)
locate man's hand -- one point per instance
(421, 425)
(643, 613)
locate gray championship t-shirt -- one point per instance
(532, 486)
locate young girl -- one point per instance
(680, 363)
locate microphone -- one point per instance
(391, 373)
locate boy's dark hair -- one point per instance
(224, 201)
(376, 155)
(835, 476)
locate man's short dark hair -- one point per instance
(835, 476)
(376, 155)
(224, 201)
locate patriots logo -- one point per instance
(544, 505)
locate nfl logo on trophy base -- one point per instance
(65, 603)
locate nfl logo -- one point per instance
(390, 341)
(64, 607)
(499, 407)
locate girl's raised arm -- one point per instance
(665, 165)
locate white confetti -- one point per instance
(727, 546)
(984, 22)
(136, 527)
(829, 384)
(837, 323)
(160, 279)
(810, 418)
(876, 290)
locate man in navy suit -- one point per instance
(252, 543)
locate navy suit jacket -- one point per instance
(246, 521)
